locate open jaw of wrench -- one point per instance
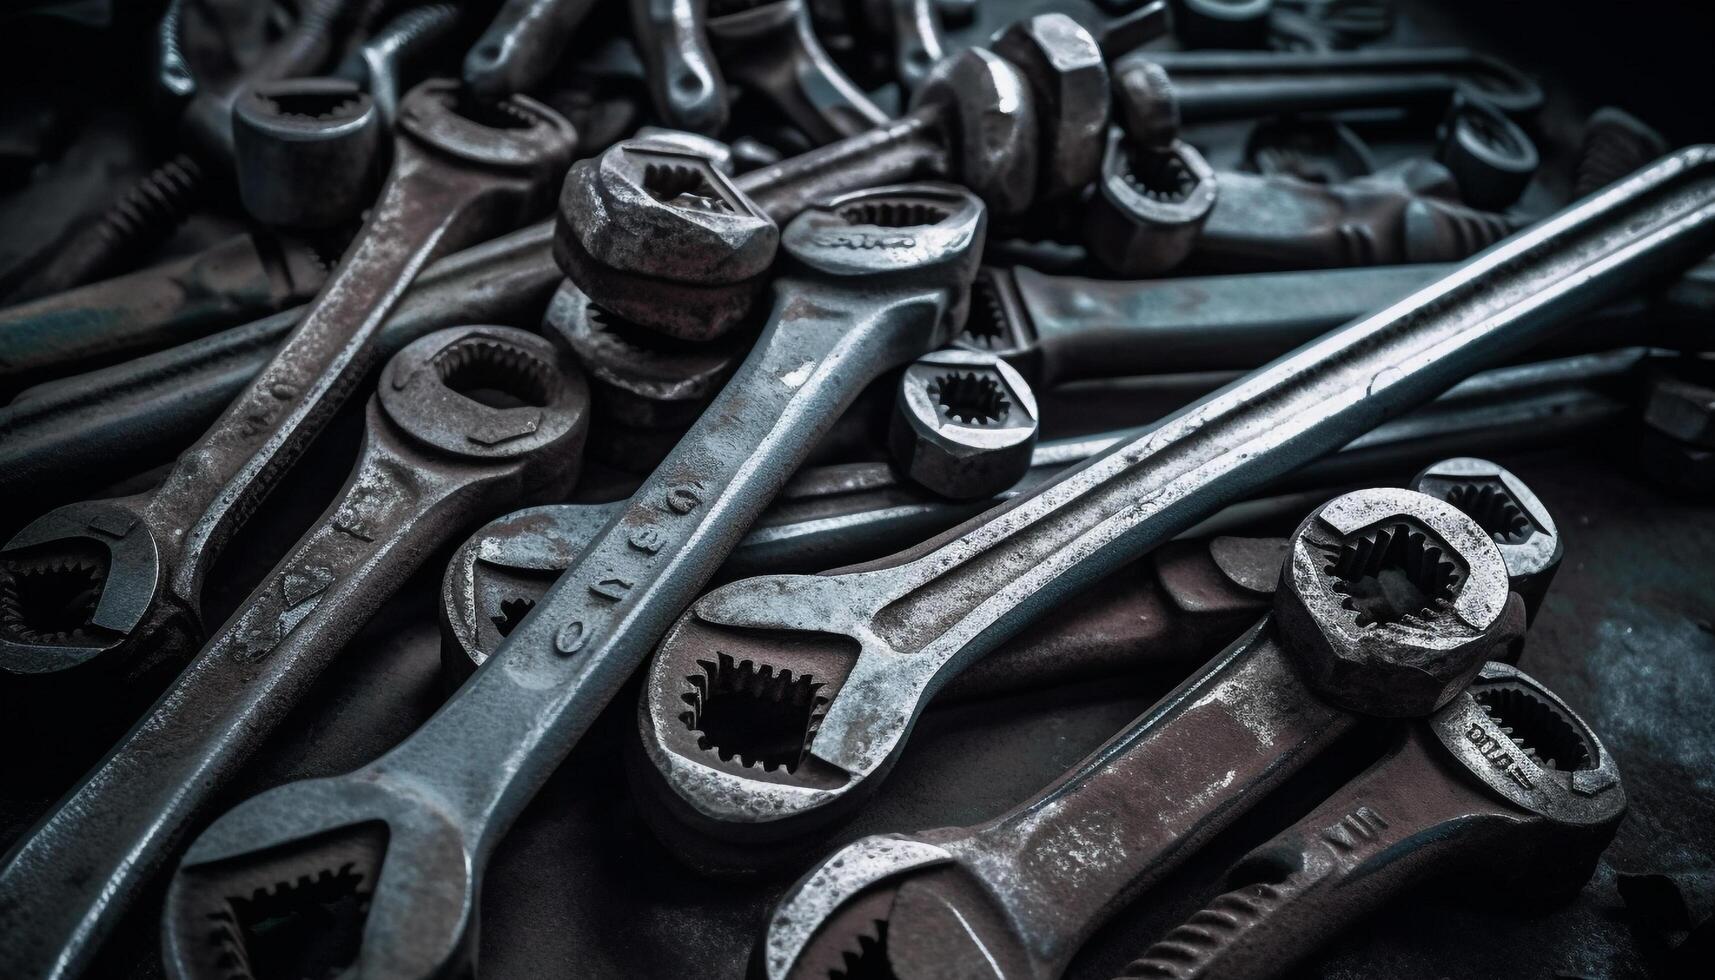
(113, 587)
(874, 643)
(878, 279)
(1389, 603)
(467, 421)
(1505, 786)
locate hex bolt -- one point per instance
(1504, 506)
(307, 152)
(1489, 156)
(964, 424)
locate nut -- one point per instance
(1490, 156)
(1149, 207)
(1068, 79)
(1390, 602)
(964, 425)
(662, 237)
(640, 377)
(1514, 518)
(994, 126)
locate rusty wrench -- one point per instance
(863, 297)
(879, 639)
(434, 459)
(455, 180)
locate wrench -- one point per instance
(685, 81)
(1389, 603)
(427, 814)
(434, 459)
(844, 514)
(1505, 786)
(770, 47)
(882, 637)
(139, 562)
(1214, 85)
(242, 277)
(522, 45)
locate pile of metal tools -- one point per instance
(848, 489)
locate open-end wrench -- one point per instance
(860, 298)
(139, 562)
(1505, 786)
(879, 639)
(684, 79)
(521, 45)
(229, 283)
(769, 46)
(434, 459)
(1237, 84)
(1389, 603)
(133, 414)
(842, 514)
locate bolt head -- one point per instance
(1146, 103)
(1390, 601)
(1068, 78)
(964, 424)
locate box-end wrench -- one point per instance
(879, 639)
(1215, 85)
(433, 460)
(412, 831)
(113, 588)
(1505, 787)
(843, 514)
(1389, 603)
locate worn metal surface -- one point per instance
(882, 637)
(454, 180)
(1015, 896)
(433, 460)
(419, 823)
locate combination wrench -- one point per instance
(141, 560)
(434, 459)
(881, 638)
(1505, 786)
(1389, 603)
(411, 832)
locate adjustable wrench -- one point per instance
(847, 513)
(433, 460)
(861, 298)
(1389, 604)
(142, 559)
(1505, 786)
(880, 638)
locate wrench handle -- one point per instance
(546, 683)
(773, 50)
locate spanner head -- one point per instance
(994, 126)
(964, 424)
(516, 134)
(1521, 527)
(660, 236)
(306, 151)
(641, 377)
(1149, 207)
(1391, 601)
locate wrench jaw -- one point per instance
(1521, 527)
(79, 586)
(319, 876)
(515, 133)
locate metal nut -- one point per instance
(1149, 207)
(964, 425)
(1390, 601)
(662, 237)
(1514, 518)
(994, 126)
(1063, 65)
